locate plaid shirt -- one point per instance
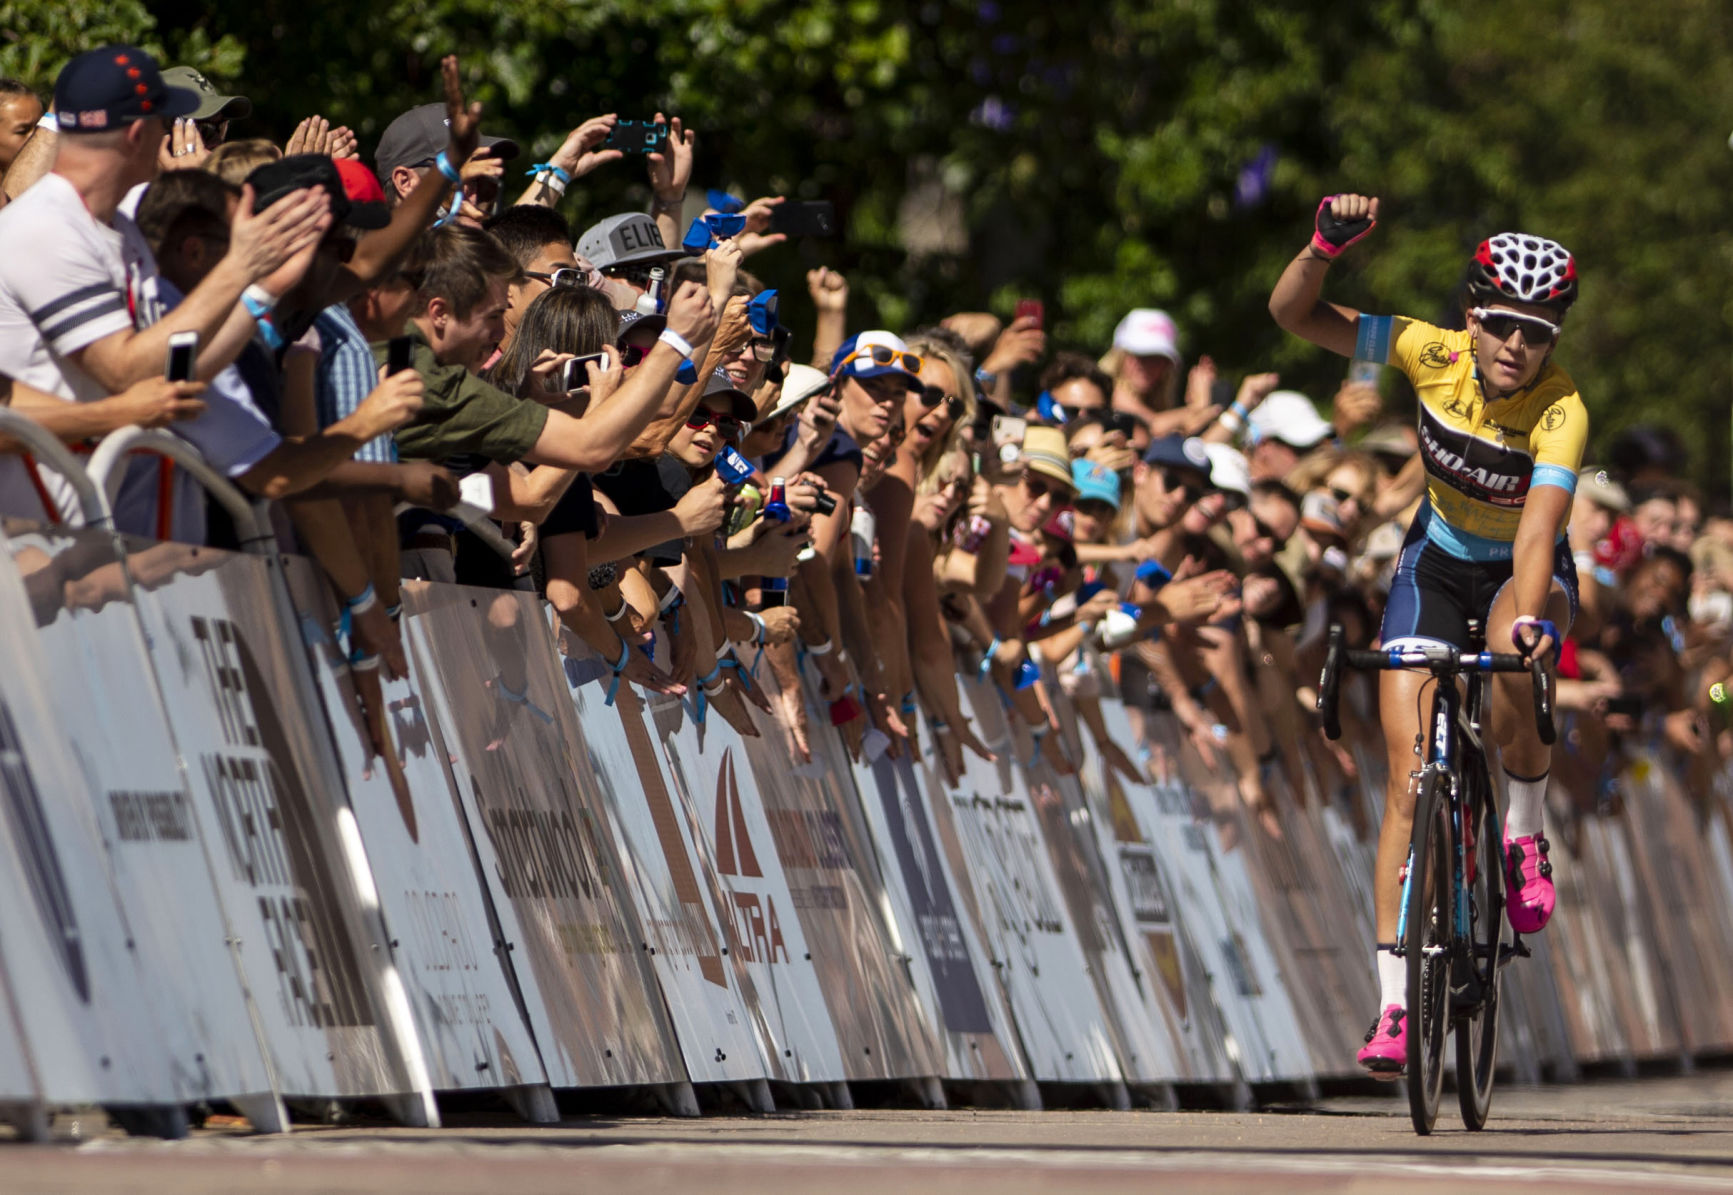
(346, 374)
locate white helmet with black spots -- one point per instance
(1521, 268)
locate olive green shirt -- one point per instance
(461, 414)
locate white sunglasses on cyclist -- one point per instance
(1536, 332)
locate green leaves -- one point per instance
(1092, 155)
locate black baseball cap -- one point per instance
(278, 180)
(418, 136)
(113, 87)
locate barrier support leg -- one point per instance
(677, 1099)
(1115, 1096)
(839, 1096)
(532, 1101)
(264, 1110)
(29, 1117)
(150, 1120)
(412, 1109)
(755, 1094)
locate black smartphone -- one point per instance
(1630, 707)
(575, 376)
(824, 503)
(638, 136)
(397, 354)
(804, 218)
(182, 360)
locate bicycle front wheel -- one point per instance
(1477, 1032)
(1426, 909)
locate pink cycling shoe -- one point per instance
(1385, 1053)
(1529, 901)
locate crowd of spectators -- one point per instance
(435, 377)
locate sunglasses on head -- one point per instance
(1536, 332)
(880, 354)
(932, 396)
(727, 426)
(564, 276)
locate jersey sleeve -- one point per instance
(1558, 441)
(1396, 340)
(64, 289)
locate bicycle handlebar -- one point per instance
(1441, 662)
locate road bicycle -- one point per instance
(1452, 930)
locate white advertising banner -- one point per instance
(252, 755)
(683, 929)
(75, 644)
(539, 825)
(706, 768)
(1169, 971)
(1063, 1028)
(473, 1034)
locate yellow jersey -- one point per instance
(1481, 457)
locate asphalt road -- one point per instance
(1671, 1134)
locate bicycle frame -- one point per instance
(1453, 714)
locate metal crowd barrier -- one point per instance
(232, 870)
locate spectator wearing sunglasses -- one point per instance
(540, 241)
(625, 247)
(1071, 387)
(931, 419)
(873, 373)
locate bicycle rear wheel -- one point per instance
(1477, 1033)
(1426, 908)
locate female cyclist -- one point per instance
(1502, 431)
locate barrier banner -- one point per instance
(949, 964)
(1611, 1005)
(707, 770)
(1685, 914)
(1218, 912)
(75, 652)
(842, 900)
(257, 767)
(540, 830)
(1167, 967)
(1063, 1028)
(683, 936)
(21, 1102)
(472, 1031)
(1141, 1037)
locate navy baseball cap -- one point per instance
(112, 87)
(1178, 452)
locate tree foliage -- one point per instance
(1098, 156)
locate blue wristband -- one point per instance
(550, 168)
(444, 166)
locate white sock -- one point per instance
(1527, 806)
(1392, 979)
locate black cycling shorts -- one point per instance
(1434, 594)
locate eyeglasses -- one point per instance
(637, 274)
(212, 132)
(1095, 508)
(1536, 332)
(564, 276)
(1342, 495)
(727, 426)
(932, 396)
(1039, 489)
(763, 349)
(1172, 480)
(880, 354)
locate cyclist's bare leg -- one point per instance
(1527, 762)
(1520, 748)
(1403, 701)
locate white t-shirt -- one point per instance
(66, 281)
